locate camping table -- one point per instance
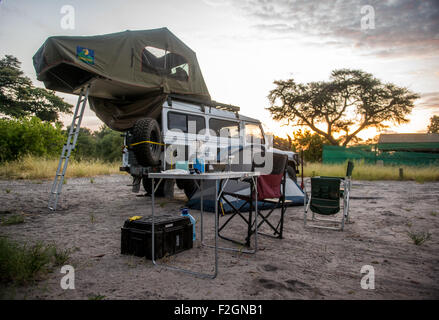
(217, 177)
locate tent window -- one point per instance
(165, 63)
(224, 128)
(185, 123)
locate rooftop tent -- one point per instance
(132, 71)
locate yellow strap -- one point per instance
(135, 144)
(222, 209)
(135, 218)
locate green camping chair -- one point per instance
(326, 198)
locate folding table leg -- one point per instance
(199, 274)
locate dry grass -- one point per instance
(40, 168)
(364, 171)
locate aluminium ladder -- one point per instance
(68, 148)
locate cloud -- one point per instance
(429, 102)
(216, 3)
(401, 27)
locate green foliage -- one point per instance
(109, 144)
(13, 219)
(104, 144)
(434, 125)
(23, 263)
(419, 238)
(282, 144)
(33, 137)
(85, 145)
(60, 256)
(29, 136)
(311, 143)
(350, 102)
(19, 98)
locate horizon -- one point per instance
(261, 42)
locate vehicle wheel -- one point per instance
(168, 188)
(147, 154)
(292, 173)
(189, 187)
(165, 189)
(147, 185)
(180, 184)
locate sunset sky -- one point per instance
(243, 46)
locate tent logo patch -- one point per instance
(85, 54)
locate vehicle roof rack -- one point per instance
(211, 103)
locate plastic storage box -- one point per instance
(172, 234)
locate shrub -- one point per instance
(14, 219)
(419, 238)
(29, 136)
(21, 264)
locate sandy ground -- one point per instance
(306, 264)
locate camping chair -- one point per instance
(271, 195)
(326, 193)
(347, 178)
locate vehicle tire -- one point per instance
(168, 188)
(147, 154)
(165, 189)
(147, 185)
(180, 184)
(189, 187)
(292, 173)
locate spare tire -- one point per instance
(147, 153)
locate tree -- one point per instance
(29, 136)
(109, 144)
(434, 125)
(85, 145)
(310, 143)
(282, 143)
(350, 102)
(18, 97)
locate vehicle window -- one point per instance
(219, 126)
(253, 133)
(199, 123)
(165, 63)
(186, 123)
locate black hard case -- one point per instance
(171, 235)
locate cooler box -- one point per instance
(172, 234)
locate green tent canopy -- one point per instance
(130, 73)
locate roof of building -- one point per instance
(409, 138)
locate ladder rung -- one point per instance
(68, 147)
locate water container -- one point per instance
(199, 164)
(185, 213)
(182, 165)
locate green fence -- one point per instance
(376, 154)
